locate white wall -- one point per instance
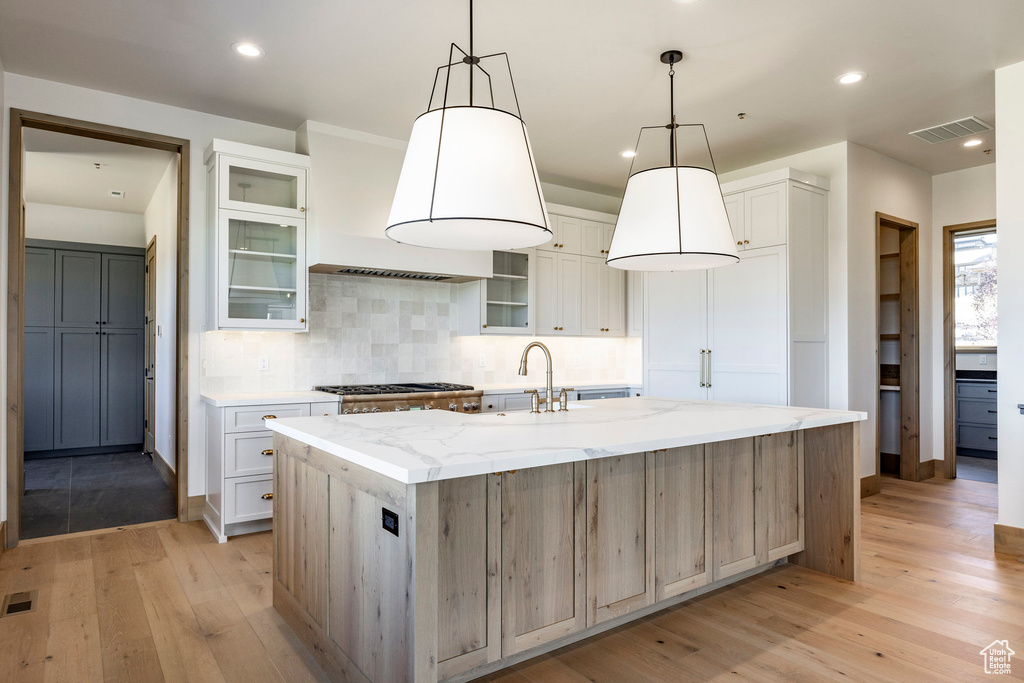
(1010, 220)
(830, 163)
(92, 105)
(91, 226)
(582, 199)
(878, 183)
(161, 221)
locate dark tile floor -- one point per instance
(977, 469)
(85, 492)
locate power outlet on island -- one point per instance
(264, 363)
(982, 359)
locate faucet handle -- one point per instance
(563, 399)
(534, 400)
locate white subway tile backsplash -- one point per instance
(370, 330)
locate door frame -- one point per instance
(151, 326)
(20, 120)
(911, 467)
(949, 341)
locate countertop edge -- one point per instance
(228, 400)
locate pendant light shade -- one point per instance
(673, 217)
(469, 180)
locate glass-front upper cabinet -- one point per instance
(264, 262)
(507, 305)
(257, 217)
(251, 185)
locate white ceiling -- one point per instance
(60, 169)
(587, 71)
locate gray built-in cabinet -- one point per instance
(84, 346)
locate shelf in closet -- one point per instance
(890, 297)
(892, 255)
(888, 387)
(889, 337)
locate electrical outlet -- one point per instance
(982, 359)
(264, 363)
(482, 361)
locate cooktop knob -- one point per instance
(376, 410)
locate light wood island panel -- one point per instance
(489, 570)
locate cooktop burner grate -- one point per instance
(365, 389)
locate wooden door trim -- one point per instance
(20, 120)
(949, 342)
(910, 468)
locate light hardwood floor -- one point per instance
(165, 602)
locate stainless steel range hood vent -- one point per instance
(402, 275)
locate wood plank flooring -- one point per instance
(164, 602)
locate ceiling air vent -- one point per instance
(116, 194)
(372, 272)
(952, 130)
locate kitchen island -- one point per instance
(435, 546)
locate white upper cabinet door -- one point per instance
(550, 244)
(734, 209)
(593, 239)
(570, 235)
(613, 288)
(748, 329)
(609, 229)
(764, 216)
(262, 187)
(634, 303)
(675, 333)
(548, 301)
(570, 276)
(593, 304)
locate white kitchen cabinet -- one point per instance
(756, 331)
(634, 303)
(568, 235)
(505, 302)
(597, 238)
(256, 212)
(559, 294)
(240, 464)
(604, 303)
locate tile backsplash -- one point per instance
(370, 330)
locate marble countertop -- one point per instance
(263, 398)
(413, 447)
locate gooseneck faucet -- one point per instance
(550, 397)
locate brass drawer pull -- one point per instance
(267, 496)
(269, 417)
(269, 451)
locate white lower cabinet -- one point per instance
(240, 464)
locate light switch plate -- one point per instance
(483, 361)
(264, 363)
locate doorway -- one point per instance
(97, 268)
(970, 343)
(897, 439)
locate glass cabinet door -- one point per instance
(507, 294)
(263, 261)
(247, 185)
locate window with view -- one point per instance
(974, 259)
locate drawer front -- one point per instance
(244, 501)
(519, 402)
(981, 412)
(597, 395)
(976, 390)
(248, 454)
(982, 438)
(322, 409)
(250, 418)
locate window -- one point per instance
(974, 284)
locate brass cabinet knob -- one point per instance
(269, 451)
(302, 320)
(302, 209)
(556, 328)
(269, 417)
(746, 241)
(485, 326)
(267, 496)
(739, 244)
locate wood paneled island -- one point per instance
(439, 546)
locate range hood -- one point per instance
(352, 181)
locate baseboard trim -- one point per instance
(926, 470)
(196, 506)
(3, 537)
(166, 473)
(870, 485)
(1009, 540)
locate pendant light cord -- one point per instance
(672, 112)
(471, 54)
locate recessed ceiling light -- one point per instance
(973, 143)
(628, 154)
(851, 78)
(248, 49)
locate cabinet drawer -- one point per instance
(248, 453)
(979, 390)
(244, 501)
(982, 438)
(519, 402)
(322, 409)
(250, 418)
(981, 412)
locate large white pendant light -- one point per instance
(469, 180)
(673, 217)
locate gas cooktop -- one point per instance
(365, 389)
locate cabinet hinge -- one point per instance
(147, 269)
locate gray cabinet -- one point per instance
(39, 386)
(123, 290)
(77, 288)
(976, 413)
(39, 287)
(121, 387)
(76, 388)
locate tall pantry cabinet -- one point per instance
(757, 331)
